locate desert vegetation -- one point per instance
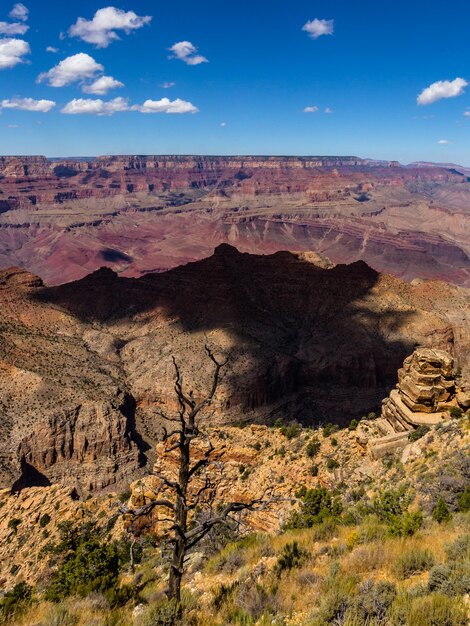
(392, 550)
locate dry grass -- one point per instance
(337, 578)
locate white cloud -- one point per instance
(442, 89)
(443, 142)
(19, 12)
(467, 113)
(310, 109)
(28, 104)
(13, 29)
(88, 106)
(167, 85)
(73, 68)
(223, 124)
(101, 30)
(13, 125)
(81, 106)
(166, 106)
(12, 52)
(328, 110)
(52, 49)
(316, 28)
(102, 85)
(187, 52)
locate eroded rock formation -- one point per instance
(428, 389)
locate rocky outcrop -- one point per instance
(90, 444)
(426, 392)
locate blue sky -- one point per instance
(263, 70)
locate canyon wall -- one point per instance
(64, 218)
(85, 366)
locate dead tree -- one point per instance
(179, 498)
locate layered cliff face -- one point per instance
(65, 414)
(430, 390)
(84, 366)
(62, 219)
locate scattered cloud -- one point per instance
(13, 125)
(443, 142)
(316, 28)
(19, 12)
(311, 109)
(223, 124)
(52, 49)
(187, 52)
(166, 106)
(101, 30)
(72, 69)
(328, 110)
(467, 113)
(88, 106)
(102, 85)
(28, 104)
(167, 85)
(15, 28)
(12, 52)
(442, 89)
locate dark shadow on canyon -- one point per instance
(317, 342)
(30, 477)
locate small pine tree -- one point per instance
(441, 511)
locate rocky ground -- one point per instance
(252, 457)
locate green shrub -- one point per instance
(91, 567)
(353, 424)
(373, 601)
(312, 448)
(329, 428)
(392, 507)
(441, 512)
(292, 556)
(391, 503)
(419, 432)
(458, 550)
(452, 579)
(317, 505)
(456, 412)
(413, 561)
(291, 431)
(16, 599)
(314, 470)
(332, 464)
(13, 524)
(405, 525)
(463, 501)
(44, 520)
(437, 610)
(164, 613)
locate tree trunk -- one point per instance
(176, 572)
(181, 522)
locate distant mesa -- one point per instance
(148, 213)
